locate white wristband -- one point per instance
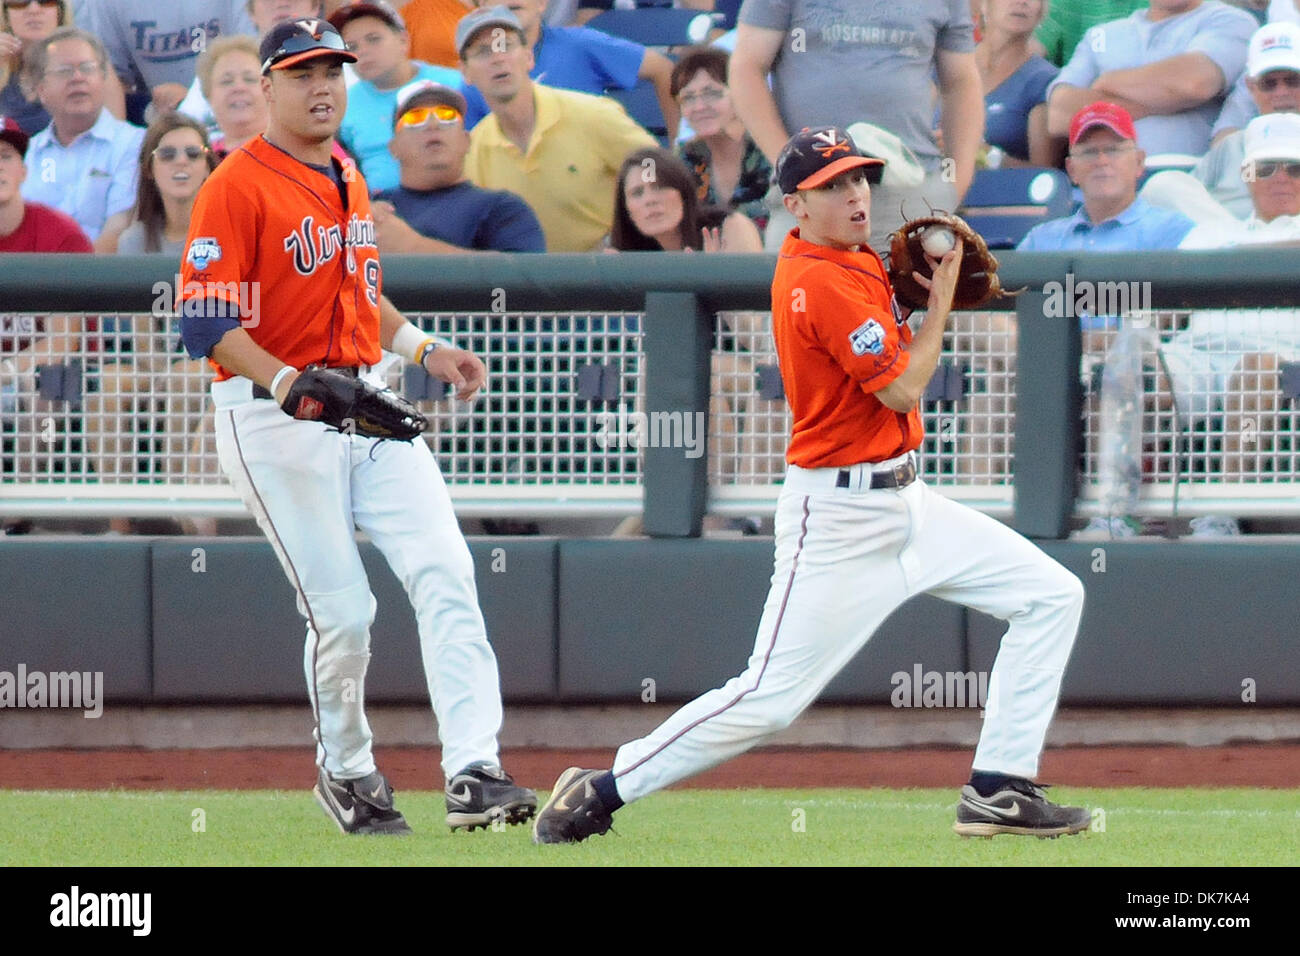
(408, 340)
(279, 377)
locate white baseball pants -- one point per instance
(309, 489)
(845, 559)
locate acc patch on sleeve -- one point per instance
(867, 337)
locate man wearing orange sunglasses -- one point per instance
(376, 33)
(435, 208)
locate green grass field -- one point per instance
(688, 827)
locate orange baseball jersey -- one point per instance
(270, 235)
(839, 339)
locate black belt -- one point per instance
(349, 370)
(900, 476)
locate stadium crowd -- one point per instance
(485, 128)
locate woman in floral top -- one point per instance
(728, 168)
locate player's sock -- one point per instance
(608, 793)
(986, 784)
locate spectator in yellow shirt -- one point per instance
(558, 149)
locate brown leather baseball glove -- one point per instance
(352, 405)
(978, 278)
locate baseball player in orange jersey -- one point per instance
(858, 533)
(282, 217)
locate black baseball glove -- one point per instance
(352, 405)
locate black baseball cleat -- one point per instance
(483, 794)
(1020, 807)
(363, 806)
(574, 811)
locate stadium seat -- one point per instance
(642, 104)
(1004, 204)
(655, 26)
(1163, 162)
(729, 10)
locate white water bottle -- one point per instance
(1120, 459)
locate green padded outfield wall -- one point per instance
(1166, 622)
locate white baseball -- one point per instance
(937, 241)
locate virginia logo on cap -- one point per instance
(313, 27)
(829, 142)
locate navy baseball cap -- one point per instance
(291, 42)
(814, 156)
(13, 134)
(474, 21)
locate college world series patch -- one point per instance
(867, 337)
(203, 250)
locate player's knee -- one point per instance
(343, 619)
(1072, 592)
(782, 714)
(433, 576)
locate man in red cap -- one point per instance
(858, 532)
(1105, 163)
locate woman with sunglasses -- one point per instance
(23, 23)
(175, 160)
(729, 169)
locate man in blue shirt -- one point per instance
(85, 163)
(376, 33)
(575, 58)
(435, 209)
(1106, 164)
(1169, 64)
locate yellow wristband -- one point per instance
(425, 347)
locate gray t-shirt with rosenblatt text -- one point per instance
(846, 61)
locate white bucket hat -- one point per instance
(902, 168)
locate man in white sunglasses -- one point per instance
(1273, 82)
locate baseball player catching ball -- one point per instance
(858, 533)
(282, 214)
